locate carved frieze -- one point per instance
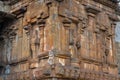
(32, 14)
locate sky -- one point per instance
(117, 32)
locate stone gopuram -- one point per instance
(58, 40)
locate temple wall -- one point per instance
(59, 39)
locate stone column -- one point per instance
(26, 42)
(92, 35)
(113, 43)
(41, 27)
(84, 50)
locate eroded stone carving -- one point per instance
(60, 39)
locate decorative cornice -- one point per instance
(109, 3)
(113, 17)
(19, 10)
(92, 9)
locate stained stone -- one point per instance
(58, 40)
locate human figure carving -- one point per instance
(35, 40)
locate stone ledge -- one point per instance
(108, 3)
(38, 74)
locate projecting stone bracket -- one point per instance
(19, 11)
(92, 9)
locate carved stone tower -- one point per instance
(58, 40)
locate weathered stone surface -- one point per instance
(59, 39)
